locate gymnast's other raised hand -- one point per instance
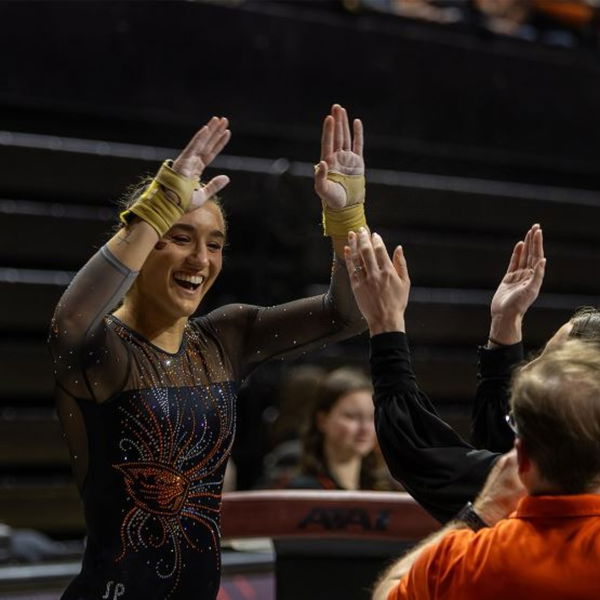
(518, 289)
(174, 191)
(381, 285)
(198, 154)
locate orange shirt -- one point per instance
(549, 548)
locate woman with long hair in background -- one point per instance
(339, 446)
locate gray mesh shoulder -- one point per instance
(90, 360)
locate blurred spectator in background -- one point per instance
(556, 22)
(507, 17)
(298, 393)
(577, 17)
(339, 445)
(573, 13)
(438, 11)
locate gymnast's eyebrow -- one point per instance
(191, 229)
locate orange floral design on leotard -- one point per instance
(170, 451)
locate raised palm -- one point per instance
(199, 153)
(521, 284)
(341, 152)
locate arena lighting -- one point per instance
(450, 183)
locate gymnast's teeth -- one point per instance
(195, 279)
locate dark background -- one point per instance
(470, 139)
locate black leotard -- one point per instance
(150, 431)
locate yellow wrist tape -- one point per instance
(352, 217)
(340, 222)
(156, 207)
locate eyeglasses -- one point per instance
(510, 421)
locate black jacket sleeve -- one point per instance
(490, 429)
(435, 465)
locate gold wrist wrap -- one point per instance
(352, 217)
(353, 184)
(156, 207)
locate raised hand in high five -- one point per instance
(198, 154)
(518, 289)
(341, 152)
(173, 192)
(380, 285)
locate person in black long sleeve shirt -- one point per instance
(435, 465)
(440, 469)
(503, 352)
(496, 365)
(517, 291)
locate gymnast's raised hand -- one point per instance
(340, 176)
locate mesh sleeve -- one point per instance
(252, 334)
(90, 361)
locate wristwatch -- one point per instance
(469, 517)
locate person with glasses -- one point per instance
(534, 530)
(440, 469)
(517, 291)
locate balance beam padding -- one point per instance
(317, 514)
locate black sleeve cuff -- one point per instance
(383, 343)
(499, 362)
(391, 369)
